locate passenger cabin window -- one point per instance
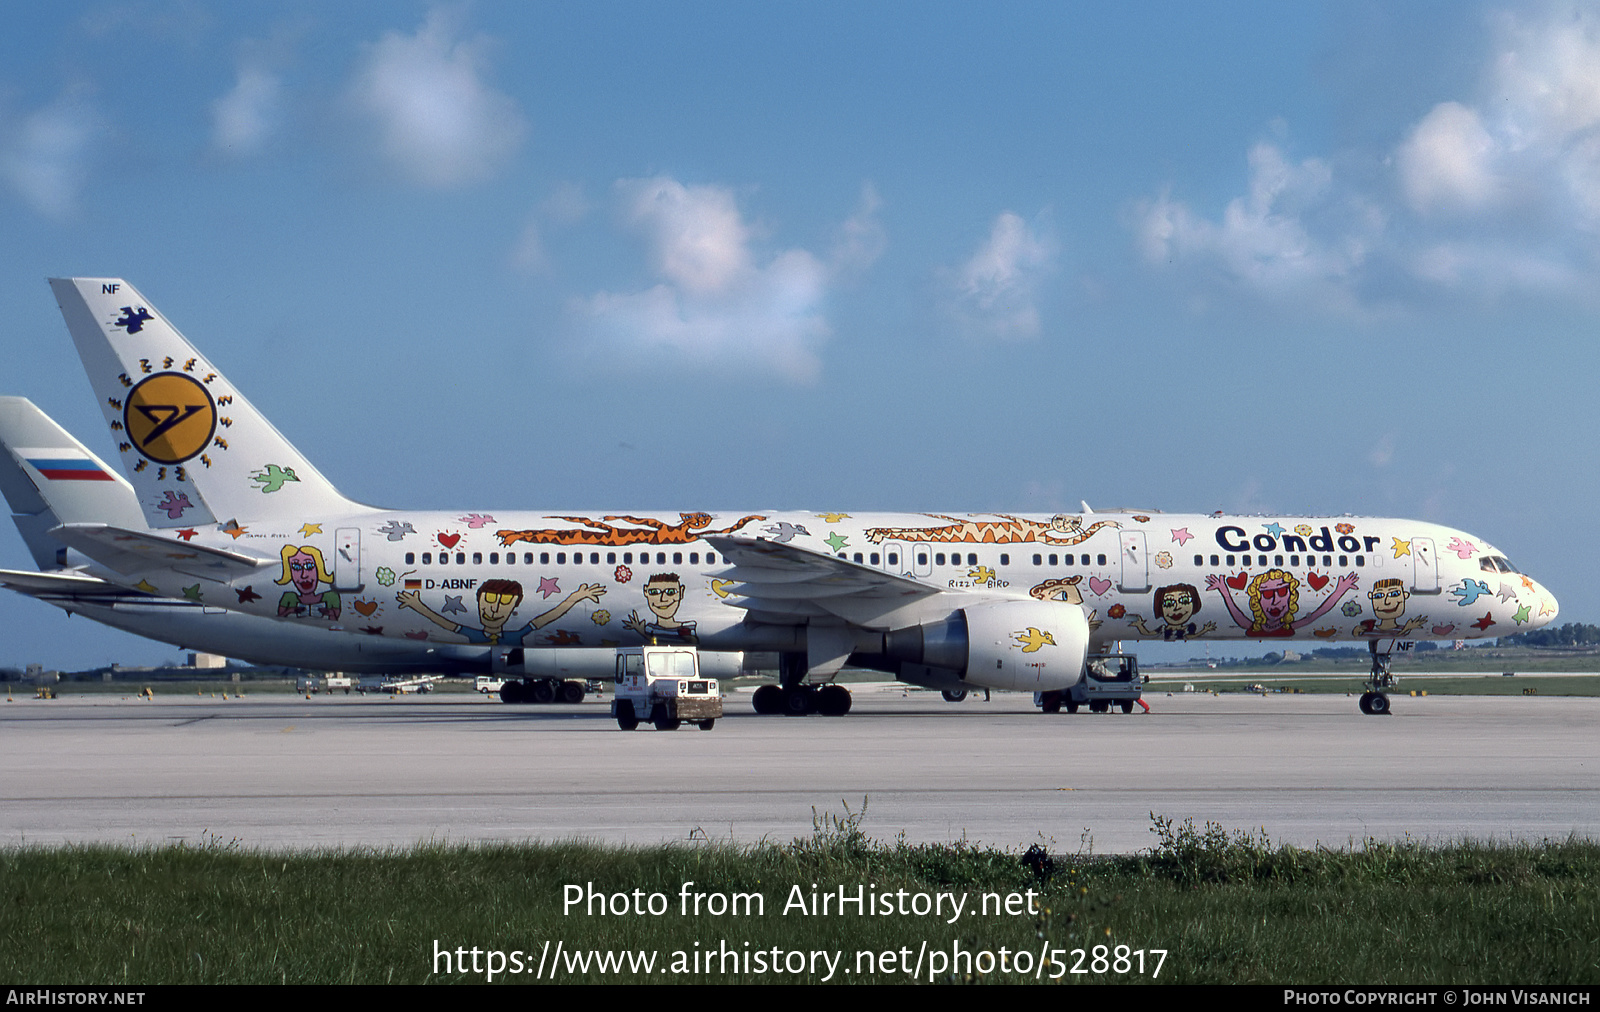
(711, 558)
(1085, 559)
(461, 558)
(427, 558)
(494, 558)
(1005, 560)
(411, 558)
(1052, 560)
(1038, 560)
(527, 558)
(477, 558)
(939, 559)
(611, 558)
(544, 558)
(1099, 560)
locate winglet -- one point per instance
(195, 449)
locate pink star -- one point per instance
(548, 586)
(1181, 536)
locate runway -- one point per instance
(287, 772)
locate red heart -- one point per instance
(1239, 582)
(449, 540)
(1443, 630)
(416, 636)
(1317, 582)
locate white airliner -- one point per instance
(235, 517)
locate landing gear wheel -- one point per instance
(1126, 704)
(799, 701)
(626, 718)
(954, 696)
(1374, 704)
(664, 719)
(707, 724)
(572, 692)
(542, 692)
(833, 701)
(767, 699)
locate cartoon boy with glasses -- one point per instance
(663, 593)
(1388, 599)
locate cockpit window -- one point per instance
(1497, 564)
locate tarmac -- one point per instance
(285, 772)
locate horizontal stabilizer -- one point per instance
(58, 584)
(131, 553)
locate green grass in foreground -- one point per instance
(1227, 907)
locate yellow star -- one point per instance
(1401, 548)
(833, 518)
(309, 529)
(146, 586)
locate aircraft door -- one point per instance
(897, 558)
(1135, 565)
(1425, 572)
(347, 558)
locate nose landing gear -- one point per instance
(1374, 701)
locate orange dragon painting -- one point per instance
(649, 531)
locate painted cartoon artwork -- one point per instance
(1176, 605)
(1064, 589)
(1388, 599)
(663, 594)
(691, 526)
(303, 572)
(1060, 530)
(1275, 600)
(497, 602)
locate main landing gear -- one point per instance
(543, 690)
(794, 698)
(1374, 701)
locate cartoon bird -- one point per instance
(273, 478)
(784, 532)
(174, 504)
(1470, 591)
(982, 574)
(1031, 640)
(396, 531)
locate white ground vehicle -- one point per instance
(1107, 679)
(663, 685)
(325, 683)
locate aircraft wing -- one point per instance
(133, 552)
(787, 581)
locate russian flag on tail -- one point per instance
(64, 465)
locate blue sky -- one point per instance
(954, 257)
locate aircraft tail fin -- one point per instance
(49, 479)
(195, 449)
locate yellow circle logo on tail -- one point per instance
(170, 417)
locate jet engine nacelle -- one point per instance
(1019, 646)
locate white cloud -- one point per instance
(721, 301)
(1278, 238)
(44, 157)
(438, 122)
(1487, 193)
(243, 120)
(995, 292)
(1447, 160)
(861, 240)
